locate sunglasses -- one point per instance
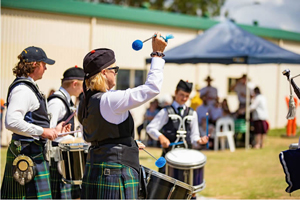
(114, 68)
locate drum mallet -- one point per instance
(159, 162)
(138, 44)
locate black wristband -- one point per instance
(160, 54)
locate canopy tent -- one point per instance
(226, 43)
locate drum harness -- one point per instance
(181, 132)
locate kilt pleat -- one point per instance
(39, 187)
(97, 185)
(59, 189)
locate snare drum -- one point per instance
(187, 165)
(73, 154)
(161, 186)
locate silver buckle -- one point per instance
(106, 171)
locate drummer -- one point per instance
(112, 165)
(27, 118)
(61, 107)
(169, 128)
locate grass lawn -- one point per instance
(243, 174)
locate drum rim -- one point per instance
(202, 163)
(185, 167)
(198, 188)
(169, 179)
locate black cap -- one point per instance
(35, 54)
(208, 78)
(74, 73)
(97, 60)
(184, 86)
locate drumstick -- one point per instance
(69, 118)
(159, 162)
(67, 133)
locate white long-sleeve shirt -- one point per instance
(22, 100)
(57, 109)
(115, 103)
(259, 108)
(162, 119)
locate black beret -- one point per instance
(73, 73)
(184, 86)
(97, 60)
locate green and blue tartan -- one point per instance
(97, 185)
(39, 187)
(59, 189)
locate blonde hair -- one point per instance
(97, 83)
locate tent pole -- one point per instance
(247, 136)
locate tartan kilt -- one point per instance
(59, 189)
(121, 183)
(39, 187)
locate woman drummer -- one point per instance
(112, 165)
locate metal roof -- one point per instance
(138, 15)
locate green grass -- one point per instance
(243, 174)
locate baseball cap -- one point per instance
(36, 54)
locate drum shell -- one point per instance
(184, 174)
(161, 186)
(72, 164)
(190, 172)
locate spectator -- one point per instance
(215, 112)
(202, 110)
(225, 108)
(209, 92)
(240, 89)
(260, 116)
(196, 100)
(149, 115)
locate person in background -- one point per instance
(149, 115)
(1, 117)
(259, 115)
(196, 100)
(61, 107)
(169, 127)
(240, 89)
(28, 119)
(112, 164)
(209, 92)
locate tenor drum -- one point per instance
(161, 186)
(73, 155)
(187, 165)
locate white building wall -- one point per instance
(67, 39)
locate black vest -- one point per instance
(68, 106)
(110, 142)
(40, 116)
(171, 127)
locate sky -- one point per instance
(278, 14)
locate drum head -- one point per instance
(185, 157)
(73, 143)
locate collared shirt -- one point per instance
(22, 100)
(115, 104)
(58, 110)
(162, 118)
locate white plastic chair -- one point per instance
(227, 125)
